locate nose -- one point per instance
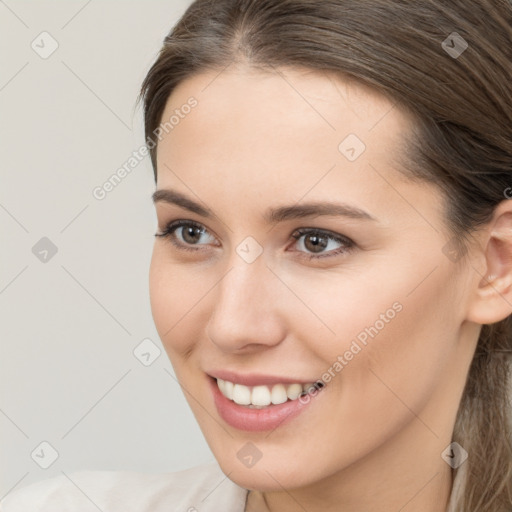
(247, 314)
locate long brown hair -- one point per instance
(447, 63)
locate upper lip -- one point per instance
(255, 379)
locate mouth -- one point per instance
(259, 397)
(261, 403)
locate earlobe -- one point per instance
(492, 299)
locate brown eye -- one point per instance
(186, 234)
(316, 243)
(191, 234)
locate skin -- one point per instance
(372, 438)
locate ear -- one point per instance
(492, 299)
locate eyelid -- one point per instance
(329, 234)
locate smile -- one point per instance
(262, 407)
(263, 396)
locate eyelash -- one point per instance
(348, 244)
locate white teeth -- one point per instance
(279, 395)
(229, 389)
(294, 391)
(226, 388)
(262, 396)
(241, 394)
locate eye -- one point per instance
(313, 243)
(321, 243)
(184, 233)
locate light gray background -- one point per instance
(69, 326)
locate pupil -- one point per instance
(191, 231)
(318, 242)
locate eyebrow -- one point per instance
(272, 215)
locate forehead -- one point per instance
(284, 113)
(287, 133)
(286, 98)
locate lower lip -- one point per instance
(257, 420)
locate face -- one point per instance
(301, 254)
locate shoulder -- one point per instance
(203, 488)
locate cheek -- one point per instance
(381, 368)
(380, 332)
(179, 296)
(396, 351)
(338, 311)
(171, 297)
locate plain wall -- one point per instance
(70, 322)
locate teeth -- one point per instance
(294, 391)
(241, 394)
(262, 396)
(308, 387)
(279, 395)
(229, 389)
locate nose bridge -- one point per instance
(244, 312)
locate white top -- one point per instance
(200, 489)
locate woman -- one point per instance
(332, 270)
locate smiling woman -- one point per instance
(332, 269)
(345, 160)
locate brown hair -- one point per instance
(462, 103)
